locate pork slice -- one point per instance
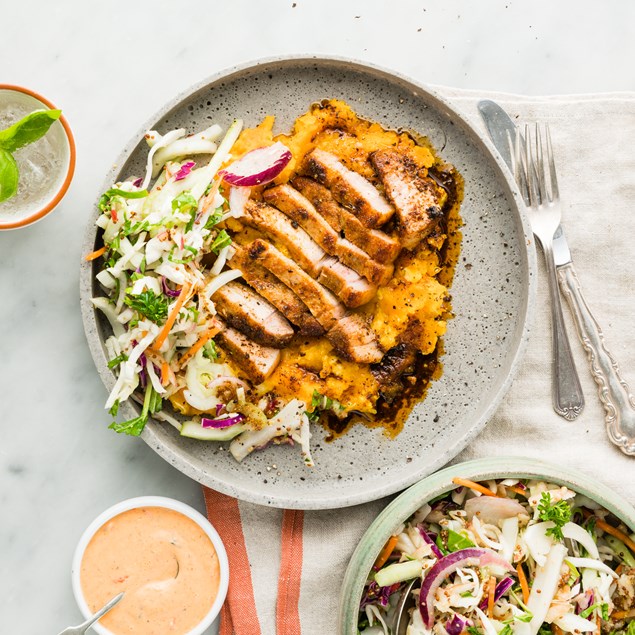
(280, 296)
(354, 340)
(350, 188)
(256, 361)
(357, 259)
(252, 315)
(377, 244)
(279, 227)
(417, 198)
(322, 304)
(348, 285)
(301, 211)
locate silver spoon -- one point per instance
(82, 628)
(401, 619)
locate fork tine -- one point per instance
(530, 170)
(540, 167)
(555, 193)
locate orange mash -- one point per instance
(163, 561)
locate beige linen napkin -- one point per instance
(297, 559)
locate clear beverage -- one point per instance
(42, 165)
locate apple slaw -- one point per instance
(505, 557)
(163, 257)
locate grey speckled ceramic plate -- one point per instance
(493, 290)
(400, 509)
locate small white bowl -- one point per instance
(166, 503)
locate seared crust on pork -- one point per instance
(280, 296)
(252, 315)
(256, 361)
(324, 306)
(417, 198)
(377, 244)
(350, 188)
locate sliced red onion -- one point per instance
(585, 602)
(143, 360)
(169, 292)
(501, 588)
(223, 422)
(259, 166)
(219, 408)
(456, 625)
(184, 170)
(426, 538)
(445, 567)
(137, 182)
(491, 510)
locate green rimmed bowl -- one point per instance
(439, 483)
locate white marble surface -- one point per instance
(110, 65)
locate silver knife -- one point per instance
(615, 395)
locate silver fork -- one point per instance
(539, 189)
(82, 628)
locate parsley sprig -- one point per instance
(558, 513)
(152, 402)
(150, 305)
(320, 402)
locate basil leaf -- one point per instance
(29, 129)
(8, 175)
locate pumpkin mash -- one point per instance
(412, 307)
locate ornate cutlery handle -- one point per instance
(566, 392)
(616, 397)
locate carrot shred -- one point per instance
(522, 578)
(385, 553)
(518, 490)
(613, 531)
(196, 347)
(463, 482)
(491, 595)
(169, 323)
(622, 615)
(93, 255)
(165, 373)
(616, 533)
(208, 199)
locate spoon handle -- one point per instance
(82, 628)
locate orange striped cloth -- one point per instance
(285, 567)
(239, 615)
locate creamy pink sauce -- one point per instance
(165, 563)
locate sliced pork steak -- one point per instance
(252, 315)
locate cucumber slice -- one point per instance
(195, 430)
(398, 572)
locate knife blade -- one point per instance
(499, 125)
(615, 395)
